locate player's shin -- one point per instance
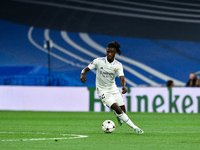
(127, 120)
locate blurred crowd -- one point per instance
(192, 82)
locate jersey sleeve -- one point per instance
(120, 71)
(93, 64)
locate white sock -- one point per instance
(127, 120)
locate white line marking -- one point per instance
(65, 51)
(157, 6)
(178, 3)
(71, 136)
(101, 11)
(51, 53)
(135, 9)
(173, 132)
(47, 37)
(67, 39)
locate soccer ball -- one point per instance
(108, 126)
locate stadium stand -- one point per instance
(151, 56)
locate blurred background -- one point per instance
(48, 43)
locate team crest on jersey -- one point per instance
(115, 69)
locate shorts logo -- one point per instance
(102, 96)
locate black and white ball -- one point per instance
(108, 126)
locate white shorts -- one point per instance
(109, 98)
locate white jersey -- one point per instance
(106, 73)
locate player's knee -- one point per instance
(123, 108)
(116, 108)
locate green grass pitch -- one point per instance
(24, 130)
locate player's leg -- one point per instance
(119, 121)
(108, 99)
(123, 116)
(118, 97)
(114, 101)
(123, 108)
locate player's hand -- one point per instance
(83, 78)
(124, 90)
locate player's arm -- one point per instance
(83, 73)
(123, 83)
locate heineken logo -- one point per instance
(161, 100)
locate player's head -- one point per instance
(170, 83)
(192, 76)
(111, 50)
(114, 45)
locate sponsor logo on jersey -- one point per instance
(107, 74)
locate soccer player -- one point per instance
(107, 69)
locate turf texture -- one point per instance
(25, 130)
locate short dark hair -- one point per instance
(115, 45)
